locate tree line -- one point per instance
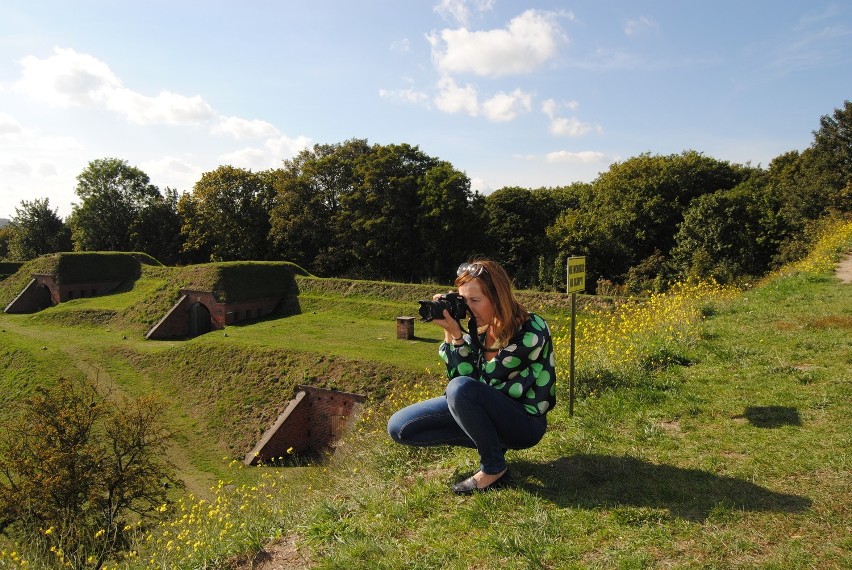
(391, 212)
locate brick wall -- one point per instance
(312, 423)
(70, 291)
(33, 297)
(175, 323)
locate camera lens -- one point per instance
(426, 310)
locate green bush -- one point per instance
(77, 468)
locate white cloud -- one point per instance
(569, 126)
(550, 107)
(167, 108)
(526, 157)
(244, 128)
(16, 139)
(172, 172)
(458, 11)
(502, 107)
(639, 26)
(46, 170)
(585, 157)
(454, 99)
(566, 126)
(34, 163)
(285, 147)
(270, 155)
(71, 79)
(16, 166)
(506, 106)
(527, 42)
(411, 96)
(9, 126)
(66, 79)
(30, 159)
(401, 46)
(250, 157)
(169, 164)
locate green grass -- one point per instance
(741, 459)
(736, 454)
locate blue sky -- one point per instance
(529, 94)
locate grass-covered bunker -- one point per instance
(229, 293)
(65, 276)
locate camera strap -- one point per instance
(473, 331)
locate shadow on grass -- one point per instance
(771, 416)
(427, 340)
(596, 481)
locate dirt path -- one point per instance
(844, 269)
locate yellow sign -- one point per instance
(576, 274)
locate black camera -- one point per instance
(452, 302)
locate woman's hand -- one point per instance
(452, 329)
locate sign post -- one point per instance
(576, 282)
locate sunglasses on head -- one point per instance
(472, 269)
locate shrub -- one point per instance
(78, 472)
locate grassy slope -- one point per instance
(226, 388)
(741, 459)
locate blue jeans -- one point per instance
(469, 414)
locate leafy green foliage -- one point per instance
(833, 146)
(6, 233)
(635, 208)
(226, 217)
(517, 222)
(156, 229)
(36, 230)
(77, 470)
(113, 194)
(392, 212)
(374, 212)
(726, 235)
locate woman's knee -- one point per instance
(459, 387)
(396, 423)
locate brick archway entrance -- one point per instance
(199, 319)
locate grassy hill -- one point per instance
(230, 386)
(732, 451)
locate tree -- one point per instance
(304, 222)
(6, 234)
(517, 231)
(634, 209)
(451, 224)
(156, 228)
(37, 230)
(381, 213)
(112, 194)
(727, 235)
(374, 212)
(818, 180)
(552, 263)
(226, 217)
(76, 467)
(832, 146)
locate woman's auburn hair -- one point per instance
(509, 314)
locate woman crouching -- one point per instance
(502, 380)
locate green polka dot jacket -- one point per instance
(524, 370)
